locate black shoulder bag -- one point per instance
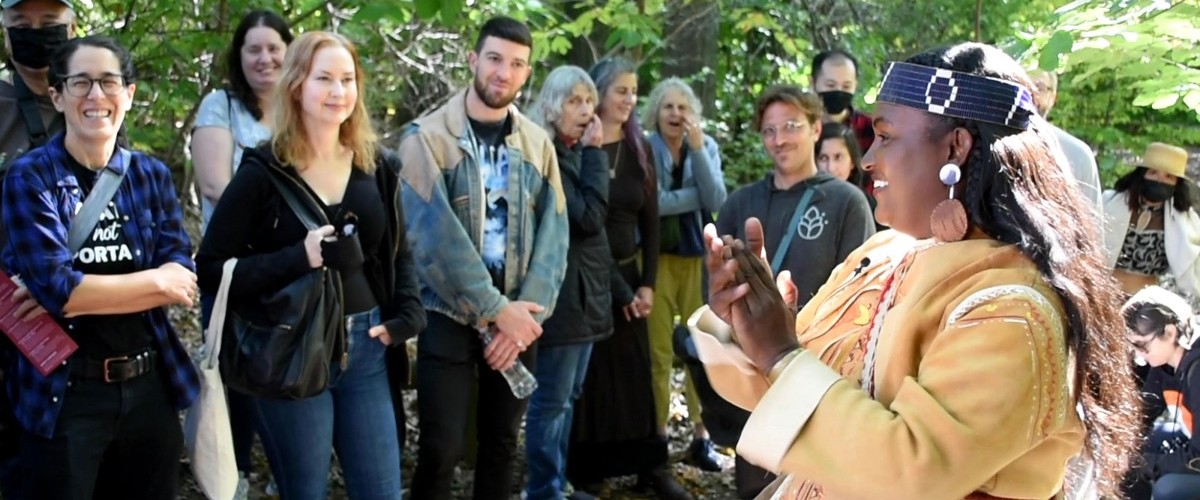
(281, 345)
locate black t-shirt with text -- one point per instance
(107, 251)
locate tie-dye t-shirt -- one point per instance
(492, 158)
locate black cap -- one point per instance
(8, 4)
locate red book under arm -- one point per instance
(40, 339)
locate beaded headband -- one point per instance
(956, 94)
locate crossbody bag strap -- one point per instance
(89, 213)
(801, 207)
(27, 102)
(308, 213)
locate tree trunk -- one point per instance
(691, 30)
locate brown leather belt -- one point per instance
(118, 368)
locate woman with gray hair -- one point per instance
(565, 107)
(690, 190)
(614, 431)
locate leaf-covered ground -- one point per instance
(703, 485)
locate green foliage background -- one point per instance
(1129, 70)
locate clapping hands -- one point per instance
(743, 293)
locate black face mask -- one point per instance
(1154, 191)
(836, 101)
(33, 47)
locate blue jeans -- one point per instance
(354, 415)
(560, 371)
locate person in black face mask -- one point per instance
(835, 79)
(1151, 230)
(33, 29)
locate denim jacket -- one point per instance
(443, 196)
(701, 193)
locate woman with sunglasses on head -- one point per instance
(974, 362)
(105, 425)
(1159, 326)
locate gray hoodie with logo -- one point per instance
(836, 221)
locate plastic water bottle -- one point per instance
(518, 377)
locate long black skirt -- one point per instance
(614, 432)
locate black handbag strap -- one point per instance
(307, 213)
(27, 102)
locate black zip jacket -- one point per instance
(584, 309)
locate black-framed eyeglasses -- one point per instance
(81, 85)
(1141, 345)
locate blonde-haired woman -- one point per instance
(324, 140)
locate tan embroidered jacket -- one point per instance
(972, 383)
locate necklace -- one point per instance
(1145, 215)
(612, 168)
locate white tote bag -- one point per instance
(206, 428)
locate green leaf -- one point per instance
(427, 9)
(631, 38)
(1192, 100)
(375, 11)
(1165, 101)
(451, 9)
(1060, 43)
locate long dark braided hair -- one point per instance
(1016, 193)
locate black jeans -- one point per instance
(449, 355)
(119, 440)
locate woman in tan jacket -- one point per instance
(971, 356)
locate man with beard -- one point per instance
(835, 79)
(488, 229)
(32, 30)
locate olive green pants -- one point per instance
(677, 294)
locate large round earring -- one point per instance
(949, 218)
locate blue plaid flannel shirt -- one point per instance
(40, 198)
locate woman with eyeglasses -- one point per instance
(1159, 326)
(105, 425)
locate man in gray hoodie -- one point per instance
(814, 219)
(811, 220)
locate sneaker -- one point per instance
(581, 495)
(243, 488)
(272, 489)
(704, 456)
(662, 483)
(588, 491)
